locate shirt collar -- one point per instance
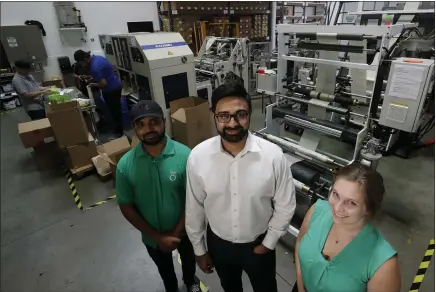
(24, 77)
(251, 145)
(168, 150)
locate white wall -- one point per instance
(99, 17)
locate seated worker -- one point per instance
(30, 92)
(108, 81)
(338, 249)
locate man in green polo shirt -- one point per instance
(151, 186)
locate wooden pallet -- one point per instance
(79, 173)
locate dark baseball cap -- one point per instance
(81, 55)
(23, 64)
(146, 108)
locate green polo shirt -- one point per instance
(156, 186)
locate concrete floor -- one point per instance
(47, 244)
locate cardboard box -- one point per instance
(101, 165)
(191, 122)
(47, 156)
(112, 152)
(35, 133)
(111, 163)
(106, 164)
(68, 124)
(115, 149)
(81, 155)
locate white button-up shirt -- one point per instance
(241, 197)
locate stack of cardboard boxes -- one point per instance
(259, 6)
(265, 25)
(221, 28)
(109, 155)
(191, 120)
(63, 138)
(39, 136)
(71, 133)
(260, 27)
(183, 25)
(192, 123)
(245, 26)
(249, 6)
(213, 7)
(181, 6)
(239, 6)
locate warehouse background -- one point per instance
(48, 244)
(99, 17)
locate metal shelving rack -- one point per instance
(364, 14)
(304, 18)
(205, 14)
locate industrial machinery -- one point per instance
(204, 88)
(331, 119)
(223, 59)
(260, 57)
(155, 66)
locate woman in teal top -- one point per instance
(338, 249)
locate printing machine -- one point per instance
(155, 66)
(221, 59)
(330, 119)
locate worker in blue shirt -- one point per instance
(108, 81)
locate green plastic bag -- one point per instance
(54, 90)
(57, 98)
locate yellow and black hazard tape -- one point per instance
(423, 267)
(11, 111)
(76, 194)
(73, 189)
(101, 202)
(202, 286)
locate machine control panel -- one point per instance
(406, 93)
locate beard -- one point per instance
(234, 138)
(153, 138)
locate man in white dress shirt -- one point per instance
(242, 185)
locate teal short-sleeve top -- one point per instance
(352, 267)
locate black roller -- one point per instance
(305, 174)
(302, 90)
(344, 100)
(330, 47)
(311, 36)
(307, 92)
(349, 134)
(349, 37)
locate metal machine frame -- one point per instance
(221, 57)
(319, 109)
(260, 56)
(157, 66)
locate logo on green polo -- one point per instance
(173, 175)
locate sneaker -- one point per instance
(194, 288)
